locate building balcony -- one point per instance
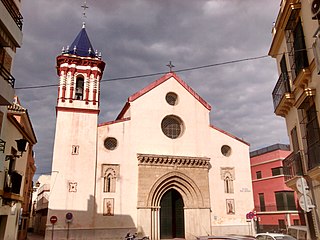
(292, 168)
(314, 163)
(12, 186)
(14, 12)
(11, 30)
(274, 209)
(2, 145)
(6, 87)
(42, 203)
(283, 99)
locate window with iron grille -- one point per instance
(296, 46)
(294, 140)
(110, 143)
(258, 174)
(281, 224)
(300, 52)
(226, 150)
(284, 72)
(310, 132)
(285, 200)
(172, 98)
(262, 202)
(313, 137)
(277, 171)
(172, 126)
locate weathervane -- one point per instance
(170, 65)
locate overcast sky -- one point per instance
(139, 37)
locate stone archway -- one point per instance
(186, 191)
(185, 177)
(189, 191)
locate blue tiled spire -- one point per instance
(81, 46)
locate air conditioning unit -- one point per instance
(315, 9)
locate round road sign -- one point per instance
(302, 185)
(69, 217)
(53, 219)
(306, 203)
(250, 215)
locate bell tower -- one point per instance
(80, 70)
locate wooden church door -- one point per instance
(171, 215)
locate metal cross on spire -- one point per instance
(84, 6)
(170, 65)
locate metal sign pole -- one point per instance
(52, 231)
(68, 231)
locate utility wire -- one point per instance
(154, 74)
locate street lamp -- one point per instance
(21, 145)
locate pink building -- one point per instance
(275, 204)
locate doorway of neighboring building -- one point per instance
(3, 224)
(171, 215)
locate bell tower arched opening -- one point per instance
(79, 88)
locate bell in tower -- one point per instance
(79, 88)
(80, 69)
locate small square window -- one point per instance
(277, 171)
(258, 174)
(73, 186)
(75, 149)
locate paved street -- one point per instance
(33, 236)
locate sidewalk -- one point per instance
(34, 236)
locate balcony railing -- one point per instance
(282, 87)
(14, 12)
(274, 208)
(12, 182)
(292, 166)
(2, 145)
(7, 76)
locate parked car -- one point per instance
(274, 236)
(228, 237)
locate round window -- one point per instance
(172, 126)
(110, 143)
(172, 98)
(226, 150)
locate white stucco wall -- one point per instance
(143, 134)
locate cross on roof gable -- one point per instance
(157, 83)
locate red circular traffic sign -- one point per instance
(53, 219)
(250, 215)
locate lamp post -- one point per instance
(21, 145)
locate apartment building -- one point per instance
(275, 203)
(16, 133)
(295, 47)
(40, 199)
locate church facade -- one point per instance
(159, 169)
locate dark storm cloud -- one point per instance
(141, 36)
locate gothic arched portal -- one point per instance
(171, 215)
